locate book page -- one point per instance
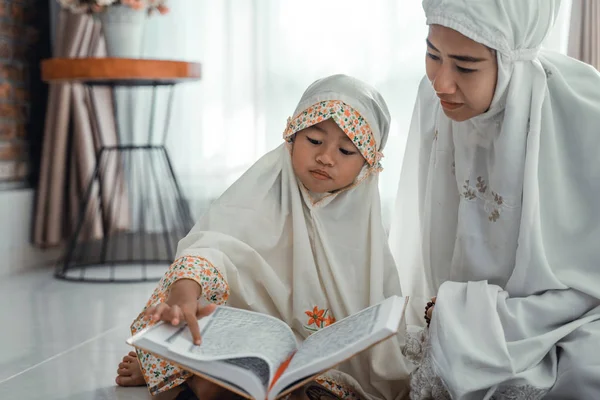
(335, 338)
(257, 366)
(248, 340)
(156, 338)
(337, 343)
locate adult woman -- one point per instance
(496, 207)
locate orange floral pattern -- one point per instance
(348, 119)
(329, 320)
(318, 319)
(160, 375)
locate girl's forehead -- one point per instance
(330, 128)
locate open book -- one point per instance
(258, 357)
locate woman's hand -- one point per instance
(182, 305)
(429, 310)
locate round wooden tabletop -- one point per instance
(118, 71)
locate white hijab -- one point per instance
(284, 251)
(498, 215)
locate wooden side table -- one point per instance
(133, 192)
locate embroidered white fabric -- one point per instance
(426, 385)
(519, 392)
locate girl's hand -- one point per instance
(182, 305)
(189, 312)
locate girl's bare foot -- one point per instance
(130, 373)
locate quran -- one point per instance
(258, 356)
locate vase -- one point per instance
(123, 29)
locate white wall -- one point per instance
(16, 252)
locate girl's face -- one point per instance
(463, 73)
(324, 158)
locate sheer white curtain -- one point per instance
(258, 56)
(558, 39)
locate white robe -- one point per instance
(284, 252)
(498, 217)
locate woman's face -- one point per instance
(463, 73)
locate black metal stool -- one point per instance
(133, 212)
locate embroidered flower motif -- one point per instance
(498, 199)
(318, 319)
(469, 193)
(493, 201)
(330, 320)
(453, 168)
(495, 215)
(315, 316)
(348, 119)
(481, 185)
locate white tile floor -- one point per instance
(64, 340)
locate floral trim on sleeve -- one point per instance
(347, 118)
(340, 390)
(161, 375)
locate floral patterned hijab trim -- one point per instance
(348, 119)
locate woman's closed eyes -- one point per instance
(458, 68)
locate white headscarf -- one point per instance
(284, 251)
(498, 215)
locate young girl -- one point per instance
(299, 237)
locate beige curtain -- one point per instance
(584, 35)
(71, 140)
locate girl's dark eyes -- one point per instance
(346, 152)
(313, 141)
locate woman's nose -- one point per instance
(443, 81)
